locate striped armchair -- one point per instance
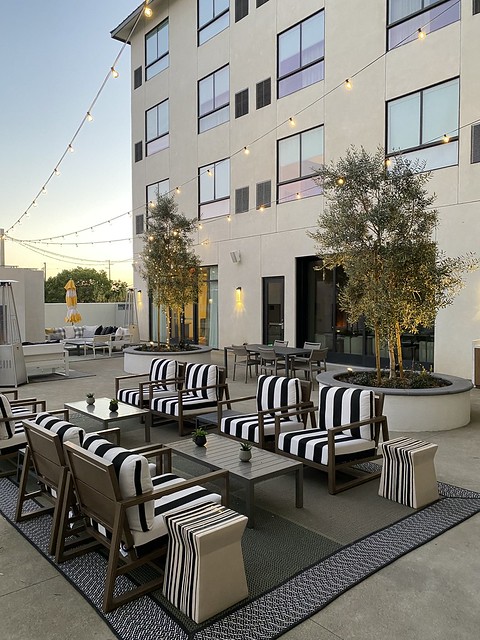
(164, 379)
(350, 422)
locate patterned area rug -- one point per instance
(292, 572)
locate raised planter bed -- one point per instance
(139, 361)
(438, 409)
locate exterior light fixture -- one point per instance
(115, 73)
(348, 83)
(421, 34)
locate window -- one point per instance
(156, 50)
(214, 100)
(214, 185)
(298, 158)
(264, 194)
(139, 224)
(241, 200)
(417, 122)
(300, 55)
(157, 128)
(137, 78)
(213, 17)
(476, 6)
(241, 9)
(264, 93)
(138, 151)
(157, 189)
(241, 103)
(260, 2)
(475, 143)
(406, 17)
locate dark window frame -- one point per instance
(202, 27)
(242, 194)
(416, 14)
(475, 7)
(149, 65)
(299, 177)
(261, 200)
(139, 228)
(215, 109)
(160, 137)
(241, 9)
(261, 2)
(215, 199)
(475, 144)
(261, 91)
(138, 151)
(137, 77)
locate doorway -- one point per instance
(273, 309)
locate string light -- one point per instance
(445, 138)
(421, 34)
(89, 116)
(177, 190)
(298, 195)
(209, 172)
(340, 181)
(291, 121)
(348, 83)
(229, 218)
(56, 171)
(388, 162)
(34, 203)
(147, 12)
(246, 150)
(115, 73)
(44, 190)
(70, 148)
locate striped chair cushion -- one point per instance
(133, 473)
(162, 369)
(277, 391)
(170, 406)
(311, 444)
(7, 427)
(246, 426)
(66, 431)
(202, 375)
(132, 396)
(341, 405)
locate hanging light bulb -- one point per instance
(388, 162)
(177, 190)
(200, 225)
(56, 171)
(229, 218)
(298, 195)
(147, 12)
(44, 190)
(348, 84)
(89, 116)
(34, 203)
(340, 181)
(291, 121)
(446, 138)
(70, 148)
(209, 172)
(115, 73)
(421, 34)
(246, 150)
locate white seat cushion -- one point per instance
(246, 426)
(311, 444)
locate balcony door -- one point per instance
(273, 309)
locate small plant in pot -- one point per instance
(113, 407)
(245, 451)
(199, 436)
(90, 398)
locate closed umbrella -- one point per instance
(71, 300)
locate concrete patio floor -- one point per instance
(431, 593)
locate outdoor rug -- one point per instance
(58, 377)
(292, 572)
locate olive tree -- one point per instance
(168, 262)
(378, 223)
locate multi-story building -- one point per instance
(234, 105)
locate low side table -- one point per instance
(204, 570)
(408, 472)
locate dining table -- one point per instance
(287, 352)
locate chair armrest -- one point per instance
(32, 403)
(159, 451)
(308, 409)
(14, 392)
(231, 401)
(132, 376)
(112, 431)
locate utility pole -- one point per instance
(2, 247)
(109, 275)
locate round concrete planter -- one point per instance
(421, 409)
(139, 361)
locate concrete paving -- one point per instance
(429, 594)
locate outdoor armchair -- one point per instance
(164, 379)
(350, 424)
(275, 396)
(124, 508)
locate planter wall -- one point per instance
(139, 361)
(421, 409)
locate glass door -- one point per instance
(273, 309)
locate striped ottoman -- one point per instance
(204, 570)
(408, 472)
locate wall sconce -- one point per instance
(238, 294)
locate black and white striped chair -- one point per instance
(204, 387)
(275, 395)
(164, 379)
(106, 479)
(350, 421)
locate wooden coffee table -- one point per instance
(222, 453)
(100, 412)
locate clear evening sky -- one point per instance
(55, 55)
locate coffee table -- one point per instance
(221, 453)
(100, 411)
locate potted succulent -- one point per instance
(199, 436)
(113, 407)
(245, 451)
(90, 398)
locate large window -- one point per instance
(406, 17)
(418, 122)
(298, 158)
(214, 188)
(157, 189)
(156, 50)
(213, 17)
(214, 100)
(157, 128)
(300, 55)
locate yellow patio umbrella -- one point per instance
(71, 300)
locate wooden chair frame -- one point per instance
(98, 494)
(144, 384)
(358, 476)
(298, 409)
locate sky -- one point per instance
(55, 56)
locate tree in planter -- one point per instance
(378, 224)
(168, 264)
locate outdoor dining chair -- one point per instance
(315, 363)
(244, 358)
(350, 424)
(270, 362)
(124, 508)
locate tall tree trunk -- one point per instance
(399, 350)
(391, 354)
(377, 355)
(168, 324)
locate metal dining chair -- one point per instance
(244, 358)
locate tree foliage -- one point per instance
(91, 285)
(379, 224)
(169, 264)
